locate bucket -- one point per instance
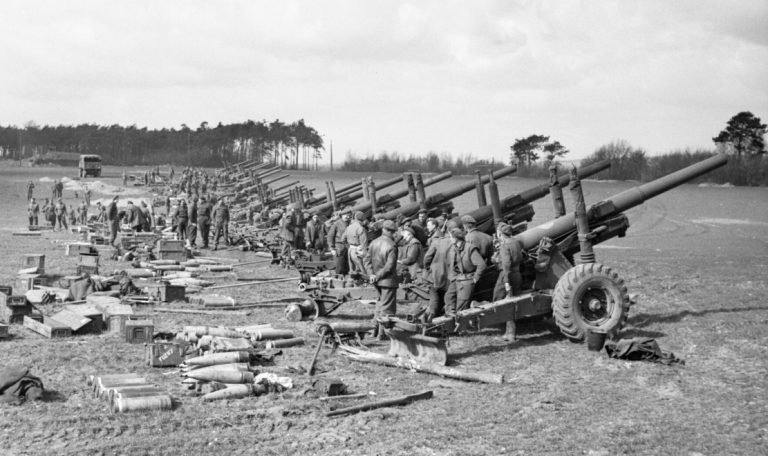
(595, 340)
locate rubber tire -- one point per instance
(572, 287)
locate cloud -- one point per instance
(398, 75)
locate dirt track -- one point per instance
(697, 258)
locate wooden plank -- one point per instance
(71, 319)
(48, 327)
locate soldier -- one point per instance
(315, 234)
(171, 174)
(419, 227)
(30, 190)
(61, 215)
(168, 205)
(287, 232)
(54, 191)
(433, 232)
(135, 217)
(101, 216)
(356, 238)
(465, 266)
(204, 221)
(221, 220)
(88, 196)
(381, 261)
(482, 241)
(509, 257)
(192, 226)
(82, 211)
(49, 213)
(146, 211)
(33, 211)
(436, 272)
(125, 179)
(114, 220)
(60, 189)
(336, 244)
(181, 218)
(411, 254)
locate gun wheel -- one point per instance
(587, 297)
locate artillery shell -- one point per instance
(268, 334)
(92, 379)
(298, 312)
(100, 386)
(225, 376)
(283, 343)
(127, 404)
(111, 395)
(234, 392)
(219, 358)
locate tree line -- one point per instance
(393, 162)
(291, 145)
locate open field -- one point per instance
(696, 257)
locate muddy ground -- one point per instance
(697, 259)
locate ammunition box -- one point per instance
(164, 292)
(165, 354)
(139, 331)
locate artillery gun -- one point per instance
(560, 275)
(329, 293)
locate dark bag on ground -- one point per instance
(641, 349)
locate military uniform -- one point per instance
(33, 211)
(356, 239)
(465, 267)
(204, 221)
(412, 256)
(381, 260)
(114, 221)
(181, 217)
(335, 242)
(510, 255)
(315, 234)
(436, 269)
(221, 220)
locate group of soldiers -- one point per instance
(450, 255)
(55, 212)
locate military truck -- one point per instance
(89, 165)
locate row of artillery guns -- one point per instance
(515, 210)
(561, 278)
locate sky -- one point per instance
(452, 77)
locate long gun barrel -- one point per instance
(484, 215)
(315, 200)
(327, 208)
(410, 209)
(397, 194)
(621, 202)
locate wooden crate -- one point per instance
(48, 327)
(165, 354)
(76, 322)
(3, 331)
(165, 292)
(89, 259)
(6, 289)
(172, 255)
(87, 270)
(34, 260)
(139, 331)
(166, 245)
(26, 282)
(79, 248)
